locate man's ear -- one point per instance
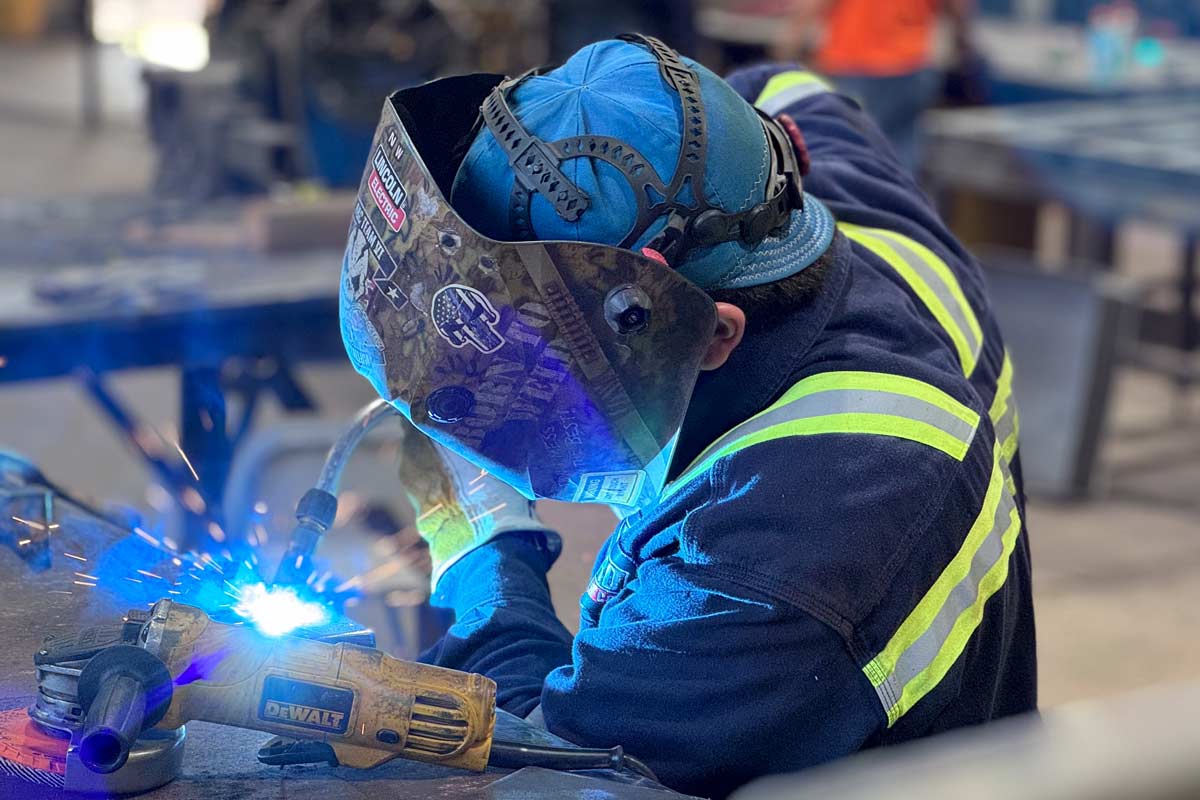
(731, 326)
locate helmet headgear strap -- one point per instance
(691, 220)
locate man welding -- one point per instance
(724, 309)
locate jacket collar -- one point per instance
(760, 369)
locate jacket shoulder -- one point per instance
(826, 522)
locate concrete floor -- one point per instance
(1117, 579)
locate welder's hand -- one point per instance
(459, 506)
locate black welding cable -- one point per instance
(514, 755)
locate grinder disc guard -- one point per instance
(36, 736)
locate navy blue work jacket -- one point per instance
(847, 566)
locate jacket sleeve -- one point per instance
(709, 683)
(854, 169)
(505, 626)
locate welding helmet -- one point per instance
(562, 367)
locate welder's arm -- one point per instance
(854, 168)
(490, 554)
(505, 626)
(709, 683)
(679, 672)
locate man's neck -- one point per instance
(762, 367)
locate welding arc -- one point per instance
(514, 755)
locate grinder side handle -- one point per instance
(124, 690)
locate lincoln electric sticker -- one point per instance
(386, 189)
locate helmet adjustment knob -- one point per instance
(627, 309)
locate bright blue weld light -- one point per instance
(278, 610)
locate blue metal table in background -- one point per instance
(1106, 162)
(233, 323)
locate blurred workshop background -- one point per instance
(176, 179)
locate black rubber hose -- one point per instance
(514, 755)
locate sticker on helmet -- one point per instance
(621, 488)
(366, 239)
(393, 141)
(465, 316)
(390, 195)
(363, 343)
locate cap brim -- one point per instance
(808, 235)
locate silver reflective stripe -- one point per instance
(921, 653)
(851, 401)
(1006, 427)
(779, 101)
(1003, 412)
(938, 286)
(934, 283)
(931, 639)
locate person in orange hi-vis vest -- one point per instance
(880, 52)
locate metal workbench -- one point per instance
(1105, 162)
(210, 315)
(219, 762)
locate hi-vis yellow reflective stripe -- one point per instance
(786, 88)
(851, 402)
(932, 281)
(934, 635)
(1003, 412)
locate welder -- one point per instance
(723, 308)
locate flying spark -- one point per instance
(82, 583)
(384, 570)
(186, 460)
(433, 510)
(23, 542)
(487, 513)
(147, 537)
(72, 555)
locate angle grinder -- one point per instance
(40, 743)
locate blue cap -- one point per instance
(614, 88)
